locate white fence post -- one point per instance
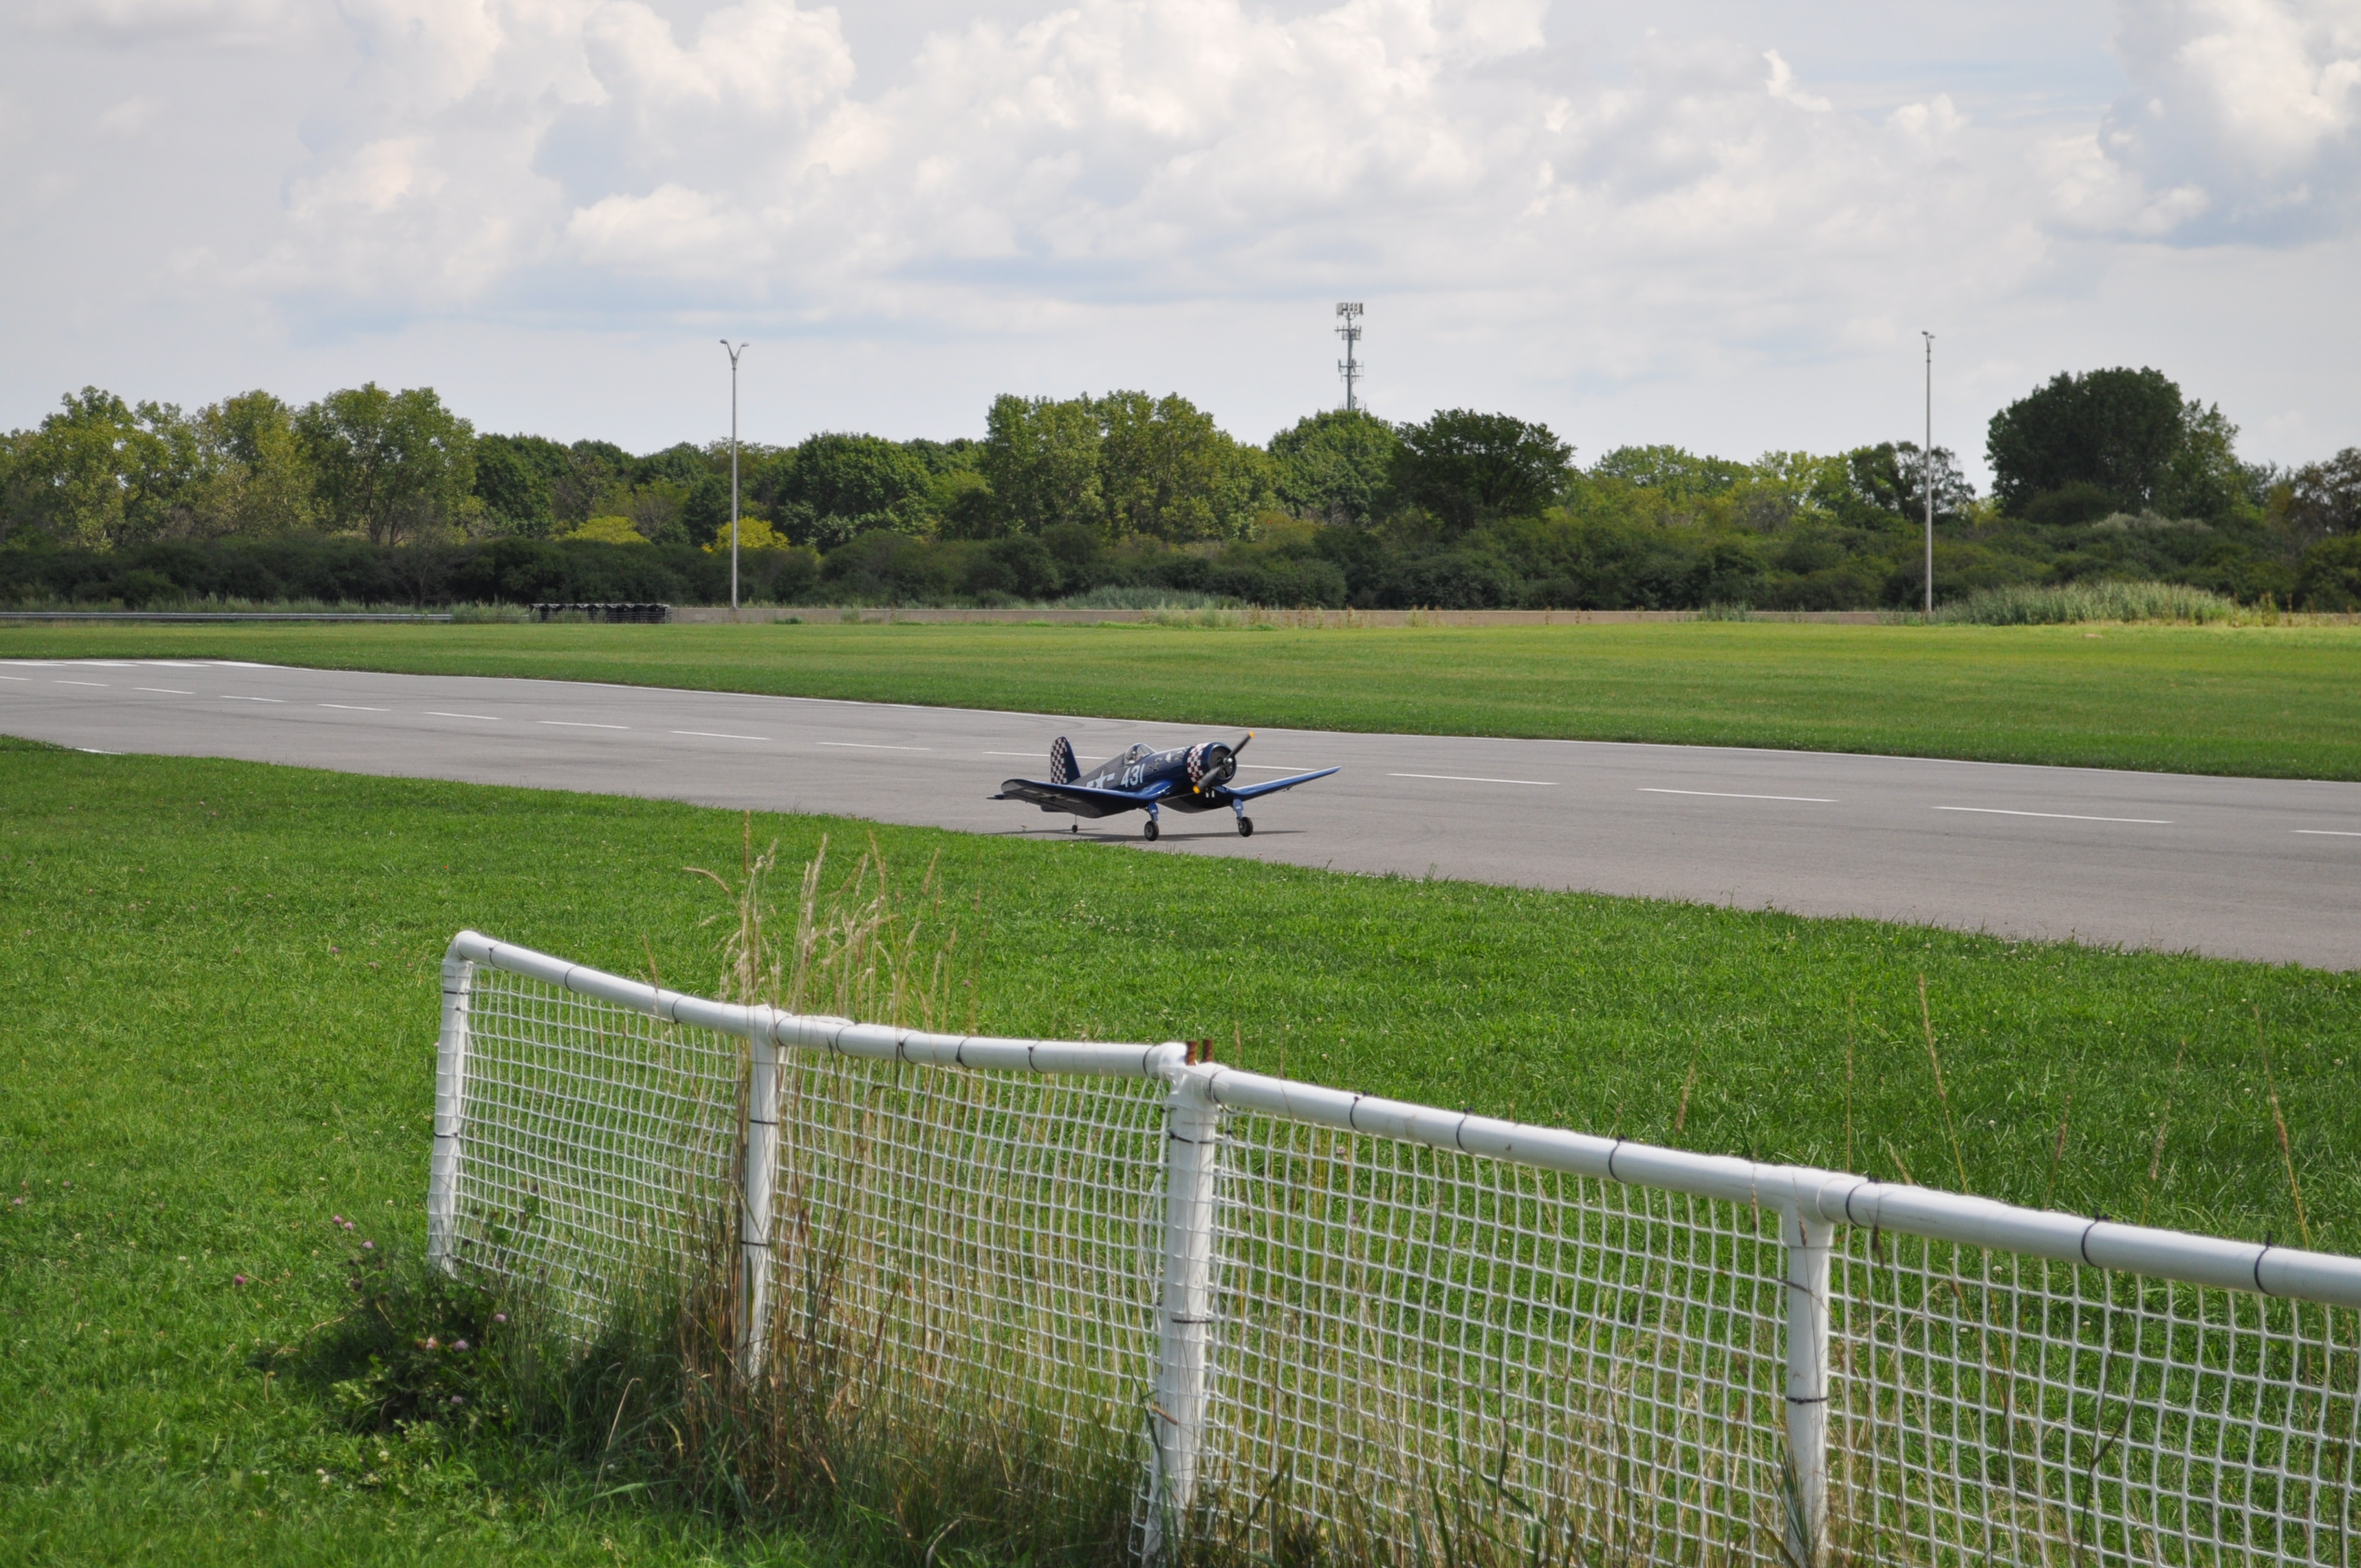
(1807, 1241)
(1185, 1310)
(450, 1114)
(757, 1181)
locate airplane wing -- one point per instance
(1275, 785)
(1081, 799)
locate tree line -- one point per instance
(380, 496)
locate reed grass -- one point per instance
(2064, 604)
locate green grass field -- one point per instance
(2261, 701)
(223, 1006)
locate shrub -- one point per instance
(141, 588)
(610, 531)
(2329, 578)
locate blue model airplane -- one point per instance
(1190, 778)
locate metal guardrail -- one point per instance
(223, 615)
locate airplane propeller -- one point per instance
(1218, 764)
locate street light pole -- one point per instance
(733, 354)
(1926, 473)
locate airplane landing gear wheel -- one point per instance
(1246, 827)
(1148, 832)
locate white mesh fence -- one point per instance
(1330, 1328)
(1419, 1347)
(985, 1240)
(1992, 1407)
(599, 1140)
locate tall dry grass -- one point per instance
(882, 1451)
(2031, 605)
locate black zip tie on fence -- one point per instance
(2259, 1265)
(2083, 1246)
(1610, 1160)
(1458, 1134)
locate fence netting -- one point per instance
(598, 1143)
(981, 1243)
(1994, 1408)
(1424, 1355)
(1415, 1353)
(977, 1246)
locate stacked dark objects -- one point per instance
(615, 612)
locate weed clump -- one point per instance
(417, 1346)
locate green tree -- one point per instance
(659, 509)
(1466, 466)
(1167, 471)
(1890, 478)
(707, 507)
(2324, 498)
(595, 478)
(516, 481)
(391, 465)
(99, 473)
(682, 462)
(2116, 430)
(1675, 470)
(835, 486)
(17, 489)
(1041, 458)
(2203, 478)
(256, 478)
(1333, 465)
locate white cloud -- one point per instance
(130, 117)
(150, 23)
(2246, 113)
(1573, 206)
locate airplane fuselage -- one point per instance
(1185, 778)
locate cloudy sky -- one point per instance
(1706, 221)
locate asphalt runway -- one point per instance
(2267, 869)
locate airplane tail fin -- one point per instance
(1061, 761)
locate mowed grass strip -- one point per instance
(2258, 701)
(223, 983)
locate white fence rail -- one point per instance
(1339, 1326)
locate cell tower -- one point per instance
(1350, 366)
